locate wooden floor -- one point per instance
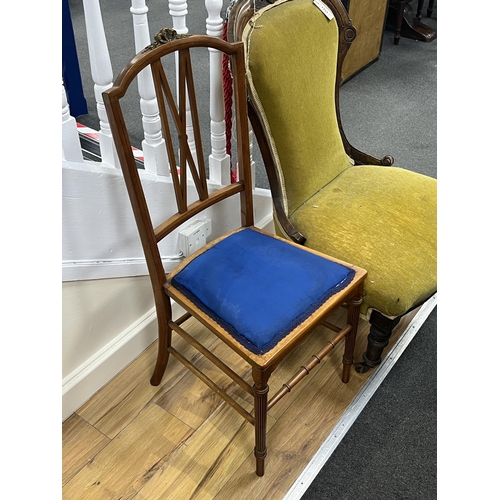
(180, 441)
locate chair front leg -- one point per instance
(430, 8)
(400, 5)
(260, 391)
(420, 6)
(380, 332)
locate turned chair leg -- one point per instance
(380, 332)
(350, 339)
(260, 391)
(399, 21)
(420, 6)
(430, 8)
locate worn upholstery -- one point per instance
(258, 287)
(380, 218)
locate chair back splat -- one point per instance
(259, 294)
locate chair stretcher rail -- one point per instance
(305, 370)
(214, 359)
(212, 385)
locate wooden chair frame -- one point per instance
(262, 365)
(381, 326)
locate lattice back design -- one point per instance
(179, 114)
(186, 162)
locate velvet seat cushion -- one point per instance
(383, 219)
(259, 288)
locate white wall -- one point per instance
(108, 314)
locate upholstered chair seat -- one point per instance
(378, 217)
(258, 287)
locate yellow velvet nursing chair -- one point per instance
(260, 295)
(328, 195)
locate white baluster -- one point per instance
(102, 75)
(219, 161)
(178, 10)
(153, 145)
(72, 150)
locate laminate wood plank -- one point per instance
(123, 467)
(190, 399)
(80, 443)
(120, 401)
(201, 467)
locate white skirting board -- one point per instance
(360, 401)
(80, 385)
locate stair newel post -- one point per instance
(178, 10)
(153, 145)
(102, 75)
(219, 161)
(72, 150)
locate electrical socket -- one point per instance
(194, 236)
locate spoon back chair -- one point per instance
(328, 195)
(259, 294)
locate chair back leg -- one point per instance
(163, 314)
(354, 306)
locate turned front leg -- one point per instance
(381, 329)
(260, 391)
(399, 20)
(430, 8)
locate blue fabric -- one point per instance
(260, 288)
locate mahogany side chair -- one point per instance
(328, 195)
(259, 294)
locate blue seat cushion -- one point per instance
(259, 288)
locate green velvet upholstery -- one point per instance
(298, 95)
(384, 220)
(380, 218)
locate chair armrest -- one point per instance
(358, 156)
(361, 158)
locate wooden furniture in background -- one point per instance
(420, 6)
(406, 23)
(369, 20)
(261, 295)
